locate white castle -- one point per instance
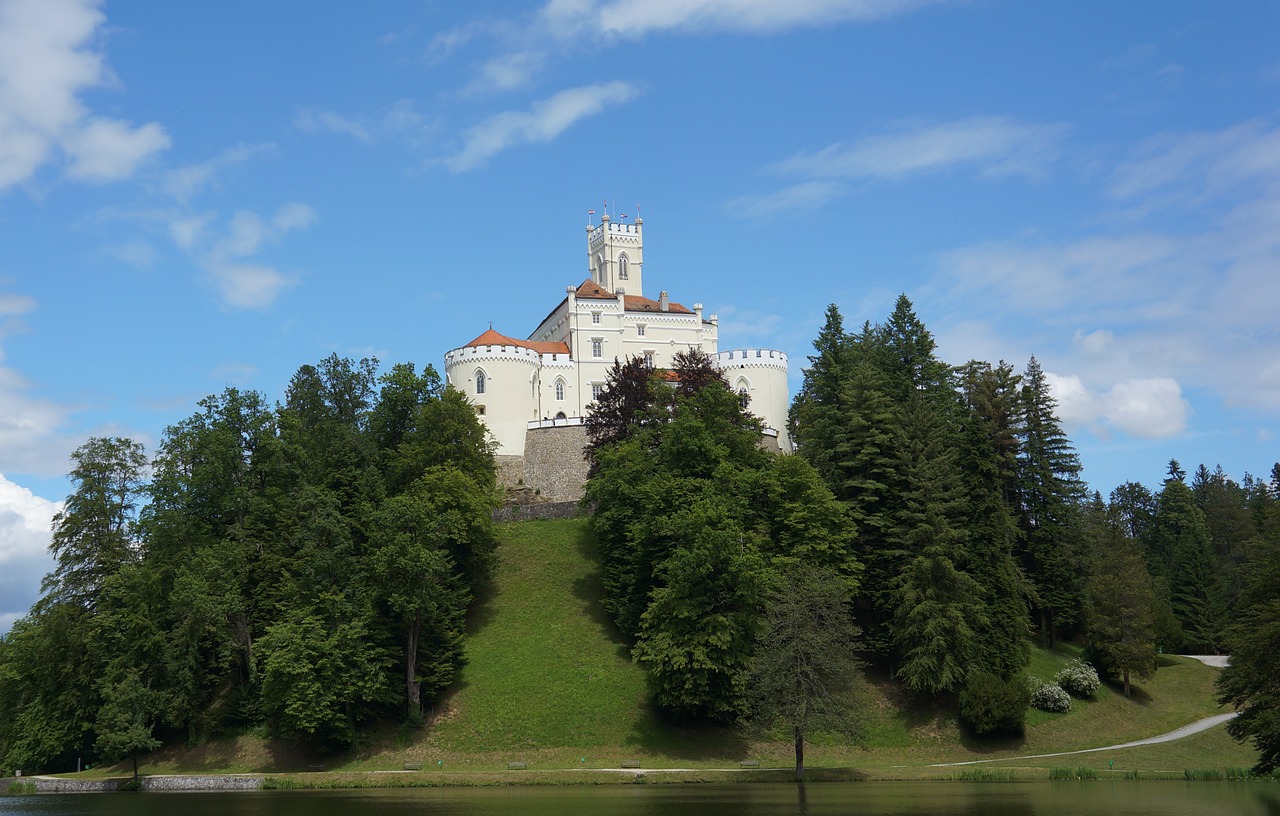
(532, 394)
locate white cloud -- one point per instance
(626, 18)
(509, 72)
(24, 540)
(1148, 408)
(46, 63)
(226, 254)
(109, 150)
(995, 145)
(543, 122)
(314, 121)
(807, 195)
(248, 286)
(1141, 310)
(185, 182)
(1202, 164)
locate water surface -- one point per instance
(1076, 798)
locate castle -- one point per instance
(532, 394)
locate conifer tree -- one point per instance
(1050, 492)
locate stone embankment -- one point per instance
(53, 784)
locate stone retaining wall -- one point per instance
(529, 512)
(52, 784)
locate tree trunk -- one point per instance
(799, 756)
(412, 688)
(1126, 682)
(135, 769)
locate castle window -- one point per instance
(639, 330)
(597, 347)
(622, 267)
(743, 399)
(560, 389)
(480, 382)
(596, 390)
(648, 359)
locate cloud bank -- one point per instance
(46, 62)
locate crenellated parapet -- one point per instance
(752, 358)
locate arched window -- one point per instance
(744, 393)
(599, 273)
(622, 266)
(480, 378)
(560, 390)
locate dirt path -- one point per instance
(1178, 733)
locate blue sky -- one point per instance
(201, 195)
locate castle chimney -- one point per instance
(663, 305)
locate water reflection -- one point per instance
(1144, 798)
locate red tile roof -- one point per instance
(635, 303)
(594, 291)
(492, 338)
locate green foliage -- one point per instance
(1050, 493)
(1250, 681)
(992, 705)
(804, 675)
(126, 720)
(696, 636)
(321, 674)
(267, 574)
(94, 533)
(1120, 620)
(691, 518)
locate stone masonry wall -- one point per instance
(553, 463)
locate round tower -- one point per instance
(759, 378)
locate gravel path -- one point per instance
(1220, 661)
(1178, 733)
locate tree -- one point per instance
(938, 610)
(322, 674)
(126, 720)
(418, 538)
(94, 533)
(697, 634)
(625, 404)
(1252, 681)
(1050, 492)
(990, 704)
(1120, 618)
(804, 676)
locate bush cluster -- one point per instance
(991, 705)
(1051, 697)
(1078, 679)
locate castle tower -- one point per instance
(615, 255)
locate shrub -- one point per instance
(990, 705)
(1051, 697)
(1078, 679)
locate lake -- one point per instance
(1112, 798)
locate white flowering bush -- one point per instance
(1051, 697)
(1079, 679)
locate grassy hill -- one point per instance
(549, 682)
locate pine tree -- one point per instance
(1050, 492)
